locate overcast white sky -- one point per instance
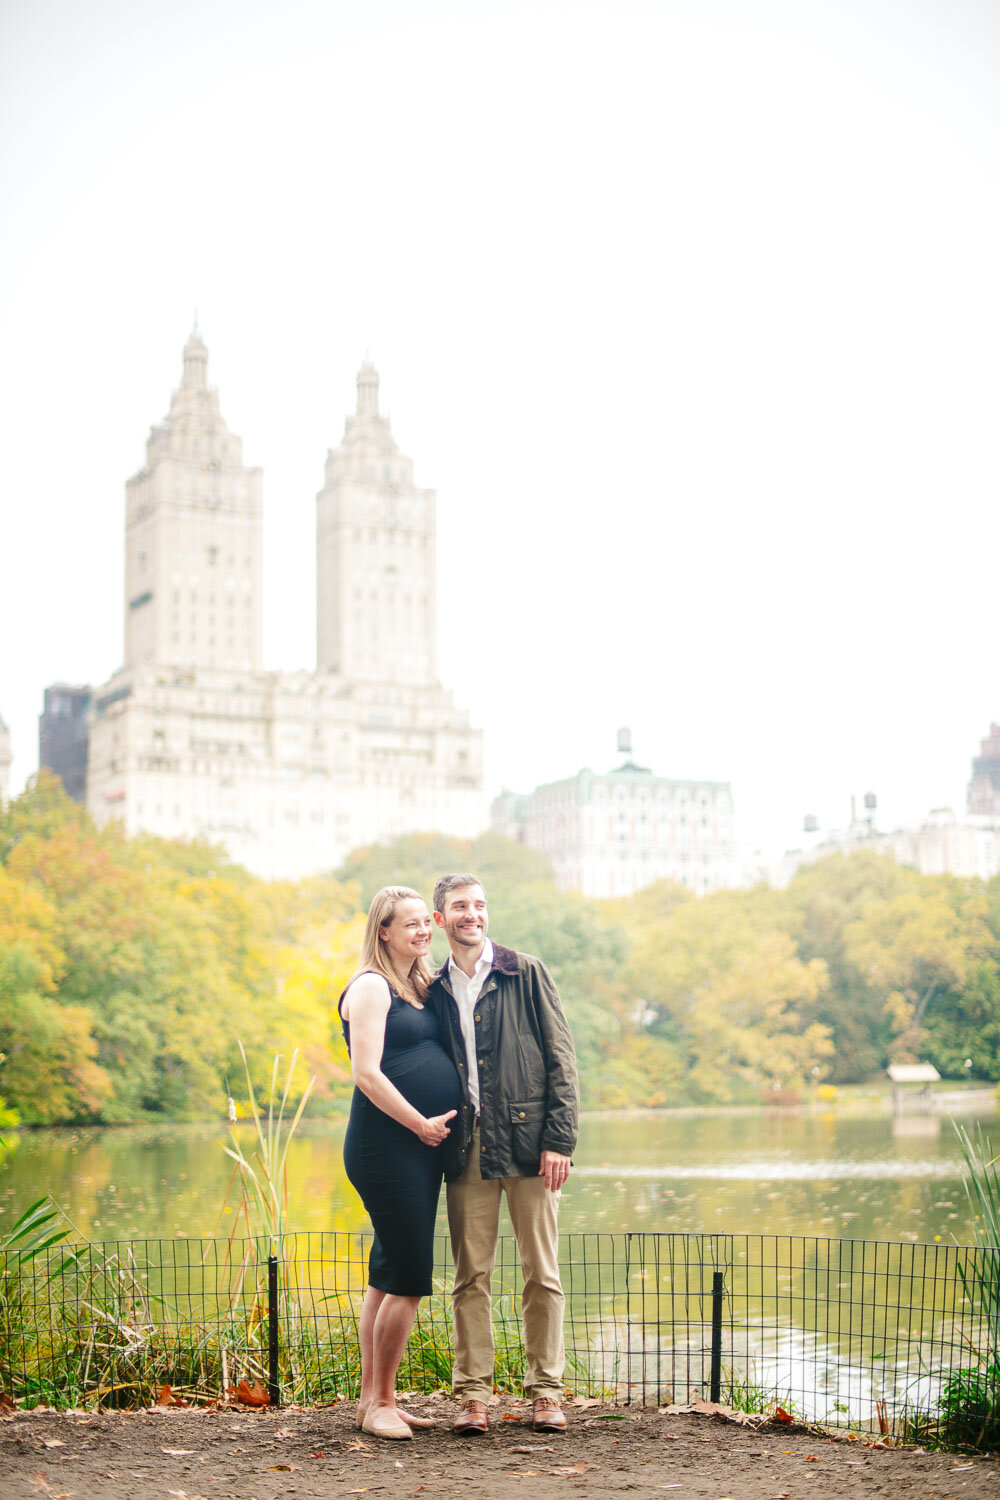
(688, 310)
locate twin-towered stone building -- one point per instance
(289, 771)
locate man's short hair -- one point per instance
(453, 883)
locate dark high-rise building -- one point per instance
(984, 788)
(64, 736)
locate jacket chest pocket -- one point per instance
(527, 1120)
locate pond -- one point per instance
(779, 1171)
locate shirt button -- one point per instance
(521, 1115)
(477, 1018)
(479, 1061)
(482, 1149)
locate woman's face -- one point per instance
(408, 936)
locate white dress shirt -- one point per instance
(466, 992)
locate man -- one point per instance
(503, 1023)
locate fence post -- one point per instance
(715, 1389)
(273, 1387)
(628, 1318)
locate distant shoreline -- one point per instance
(954, 1101)
(848, 1102)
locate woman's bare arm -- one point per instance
(366, 1009)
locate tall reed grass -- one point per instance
(263, 1175)
(967, 1411)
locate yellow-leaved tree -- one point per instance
(735, 1000)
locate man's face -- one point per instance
(465, 918)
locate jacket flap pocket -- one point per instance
(528, 1112)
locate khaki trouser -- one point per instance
(474, 1219)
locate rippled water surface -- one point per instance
(767, 1171)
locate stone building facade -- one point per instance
(288, 770)
(942, 843)
(611, 834)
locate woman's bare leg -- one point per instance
(366, 1339)
(392, 1323)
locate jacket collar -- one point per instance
(504, 962)
(504, 959)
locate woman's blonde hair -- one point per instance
(373, 954)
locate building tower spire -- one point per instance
(194, 497)
(375, 555)
(368, 390)
(195, 376)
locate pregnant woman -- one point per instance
(406, 1089)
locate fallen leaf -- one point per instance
(177, 1452)
(719, 1409)
(577, 1468)
(510, 1416)
(523, 1473)
(357, 1446)
(584, 1401)
(53, 1442)
(779, 1414)
(531, 1450)
(41, 1483)
(315, 1455)
(167, 1397)
(285, 1468)
(7, 1403)
(251, 1395)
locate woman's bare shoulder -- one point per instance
(369, 992)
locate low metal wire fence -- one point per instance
(872, 1334)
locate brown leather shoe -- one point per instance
(547, 1415)
(472, 1419)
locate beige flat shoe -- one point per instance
(406, 1416)
(388, 1426)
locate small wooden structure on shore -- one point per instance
(912, 1073)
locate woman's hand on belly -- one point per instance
(433, 1131)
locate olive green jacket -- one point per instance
(528, 1091)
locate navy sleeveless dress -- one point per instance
(396, 1175)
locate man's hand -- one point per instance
(555, 1170)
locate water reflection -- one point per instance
(782, 1172)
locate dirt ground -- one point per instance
(316, 1452)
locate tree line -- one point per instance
(131, 968)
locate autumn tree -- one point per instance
(736, 1001)
(823, 900)
(918, 952)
